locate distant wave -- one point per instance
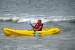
(34, 18)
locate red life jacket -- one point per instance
(37, 25)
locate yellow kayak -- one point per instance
(15, 32)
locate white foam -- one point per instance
(15, 18)
(23, 20)
(34, 18)
(5, 18)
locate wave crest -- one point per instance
(34, 19)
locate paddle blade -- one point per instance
(36, 33)
(29, 22)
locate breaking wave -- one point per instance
(34, 18)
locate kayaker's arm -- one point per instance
(38, 28)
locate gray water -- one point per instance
(45, 7)
(63, 41)
(53, 13)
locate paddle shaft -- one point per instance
(36, 33)
(33, 27)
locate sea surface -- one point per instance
(53, 13)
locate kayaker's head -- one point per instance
(39, 21)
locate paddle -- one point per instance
(36, 33)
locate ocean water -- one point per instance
(53, 13)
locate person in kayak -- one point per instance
(38, 26)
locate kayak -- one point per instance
(17, 32)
